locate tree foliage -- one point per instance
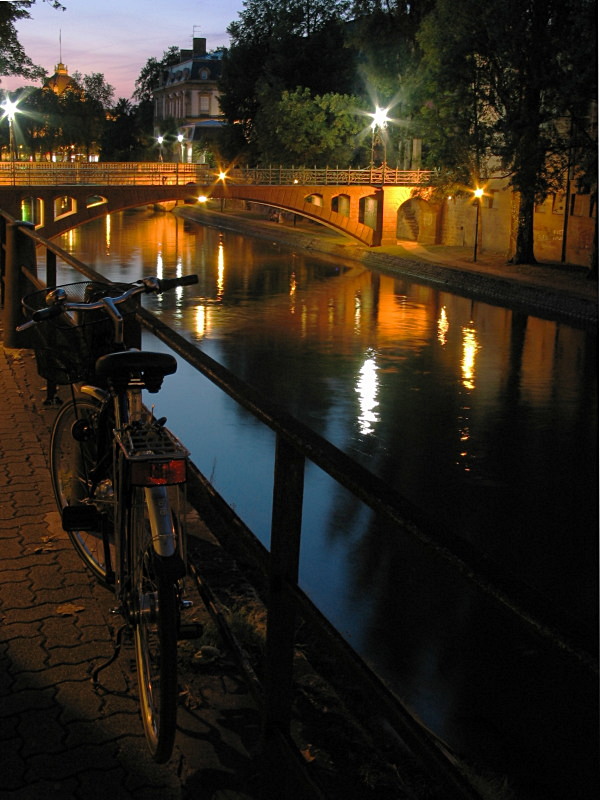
(278, 45)
(13, 58)
(306, 129)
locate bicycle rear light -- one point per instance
(158, 473)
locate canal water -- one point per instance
(484, 418)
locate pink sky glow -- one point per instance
(117, 37)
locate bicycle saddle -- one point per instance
(121, 368)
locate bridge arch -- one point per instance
(416, 220)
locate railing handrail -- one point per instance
(64, 173)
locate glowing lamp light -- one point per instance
(202, 198)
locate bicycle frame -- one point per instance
(155, 476)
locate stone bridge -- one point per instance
(362, 204)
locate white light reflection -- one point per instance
(443, 326)
(202, 326)
(470, 348)
(367, 387)
(220, 270)
(159, 273)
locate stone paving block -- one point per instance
(18, 702)
(27, 654)
(46, 790)
(40, 733)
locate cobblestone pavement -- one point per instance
(59, 738)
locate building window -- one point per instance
(204, 103)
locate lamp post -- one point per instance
(478, 195)
(160, 141)
(180, 140)
(378, 126)
(222, 177)
(10, 111)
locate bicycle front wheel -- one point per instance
(156, 599)
(81, 472)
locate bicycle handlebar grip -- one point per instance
(47, 313)
(164, 284)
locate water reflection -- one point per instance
(366, 389)
(485, 418)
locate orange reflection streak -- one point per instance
(107, 233)
(443, 326)
(220, 270)
(470, 348)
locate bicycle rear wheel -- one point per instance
(81, 472)
(156, 599)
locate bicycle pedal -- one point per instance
(190, 630)
(80, 518)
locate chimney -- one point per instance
(199, 47)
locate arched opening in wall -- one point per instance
(367, 211)
(95, 200)
(64, 206)
(416, 220)
(341, 204)
(32, 210)
(315, 199)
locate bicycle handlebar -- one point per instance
(59, 304)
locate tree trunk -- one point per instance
(524, 245)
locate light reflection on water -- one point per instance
(485, 418)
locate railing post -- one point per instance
(50, 268)
(286, 527)
(20, 251)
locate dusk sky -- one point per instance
(117, 37)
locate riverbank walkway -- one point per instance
(560, 291)
(58, 737)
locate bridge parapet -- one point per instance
(45, 173)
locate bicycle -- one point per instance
(118, 474)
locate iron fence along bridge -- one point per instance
(40, 173)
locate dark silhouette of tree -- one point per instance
(496, 81)
(13, 58)
(279, 45)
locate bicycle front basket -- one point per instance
(67, 347)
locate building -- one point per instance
(187, 98)
(60, 81)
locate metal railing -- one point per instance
(46, 173)
(295, 444)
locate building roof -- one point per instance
(60, 80)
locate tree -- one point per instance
(496, 80)
(279, 45)
(13, 59)
(310, 130)
(95, 88)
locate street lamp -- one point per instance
(10, 111)
(222, 177)
(378, 126)
(478, 195)
(160, 141)
(180, 140)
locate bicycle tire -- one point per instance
(71, 466)
(156, 600)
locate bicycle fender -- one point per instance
(164, 535)
(94, 391)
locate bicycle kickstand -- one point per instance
(118, 644)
